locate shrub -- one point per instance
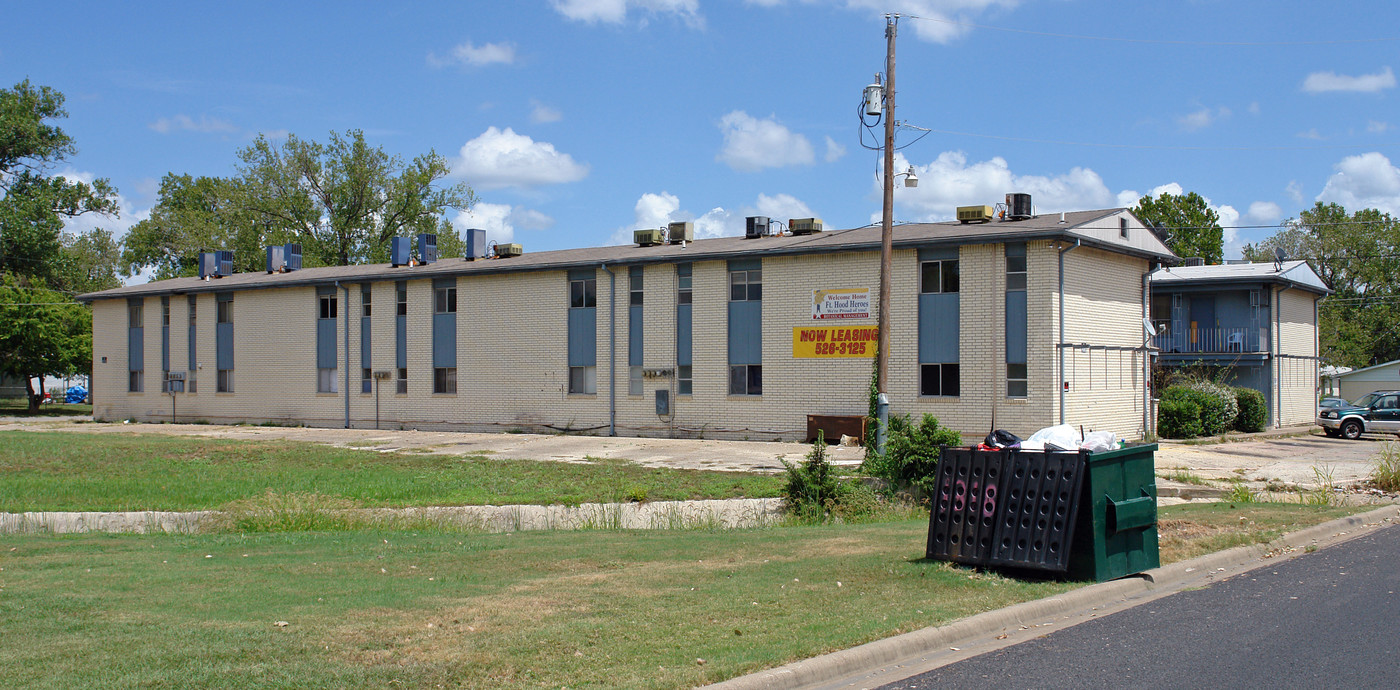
(1220, 411)
(1179, 417)
(812, 487)
(911, 453)
(1253, 412)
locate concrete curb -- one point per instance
(875, 655)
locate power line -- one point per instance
(1154, 41)
(1156, 146)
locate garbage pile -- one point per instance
(75, 395)
(1063, 437)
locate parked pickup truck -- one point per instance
(1378, 411)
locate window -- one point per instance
(366, 380)
(939, 276)
(327, 304)
(402, 387)
(225, 314)
(365, 303)
(1123, 228)
(165, 311)
(325, 381)
(193, 311)
(634, 380)
(746, 379)
(684, 382)
(1015, 273)
(1016, 381)
(583, 380)
(583, 293)
(133, 315)
(190, 383)
(445, 300)
(635, 293)
(225, 384)
(445, 380)
(134, 384)
(938, 380)
(746, 286)
(683, 290)
(401, 308)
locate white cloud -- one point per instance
(834, 151)
(204, 125)
(541, 113)
(942, 20)
(1375, 127)
(1365, 181)
(502, 158)
(1265, 211)
(751, 144)
(470, 55)
(1295, 191)
(1324, 82)
(1311, 134)
(656, 210)
(616, 11)
(500, 220)
(950, 181)
(127, 214)
(1254, 108)
(1202, 118)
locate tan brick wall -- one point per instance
(1297, 378)
(512, 351)
(1103, 307)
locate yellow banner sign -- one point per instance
(821, 342)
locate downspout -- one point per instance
(1278, 362)
(343, 314)
(1064, 251)
(612, 350)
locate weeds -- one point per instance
(1185, 476)
(1240, 493)
(1386, 474)
(1326, 492)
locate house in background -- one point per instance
(1257, 320)
(1354, 383)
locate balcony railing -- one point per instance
(1223, 339)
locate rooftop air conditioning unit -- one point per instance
(224, 263)
(975, 214)
(275, 260)
(680, 232)
(208, 265)
(1194, 261)
(648, 237)
(476, 244)
(399, 251)
(804, 226)
(1018, 206)
(291, 256)
(505, 251)
(427, 248)
(756, 226)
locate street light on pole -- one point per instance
(882, 351)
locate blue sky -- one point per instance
(577, 121)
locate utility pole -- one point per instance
(882, 352)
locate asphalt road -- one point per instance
(1321, 620)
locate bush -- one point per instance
(1178, 417)
(1253, 412)
(911, 453)
(812, 488)
(1219, 411)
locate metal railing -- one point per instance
(1220, 339)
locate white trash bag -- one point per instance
(1062, 437)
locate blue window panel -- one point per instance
(938, 253)
(135, 348)
(634, 336)
(745, 333)
(365, 341)
(165, 348)
(401, 342)
(325, 344)
(445, 340)
(938, 327)
(683, 335)
(1012, 249)
(1016, 327)
(745, 264)
(223, 336)
(194, 359)
(582, 273)
(583, 337)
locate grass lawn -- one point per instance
(19, 407)
(544, 609)
(117, 471)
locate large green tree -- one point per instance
(43, 265)
(345, 199)
(193, 215)
(1358, 255)
(1192, 226)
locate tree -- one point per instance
(42, 331)
(1192, 226)
(193, 215)
(1358, 256)
(343, 200)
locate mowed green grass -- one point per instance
(119, 471)
(543, 609)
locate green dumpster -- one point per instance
(1116, 534)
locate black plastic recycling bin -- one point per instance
(1022, 509)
